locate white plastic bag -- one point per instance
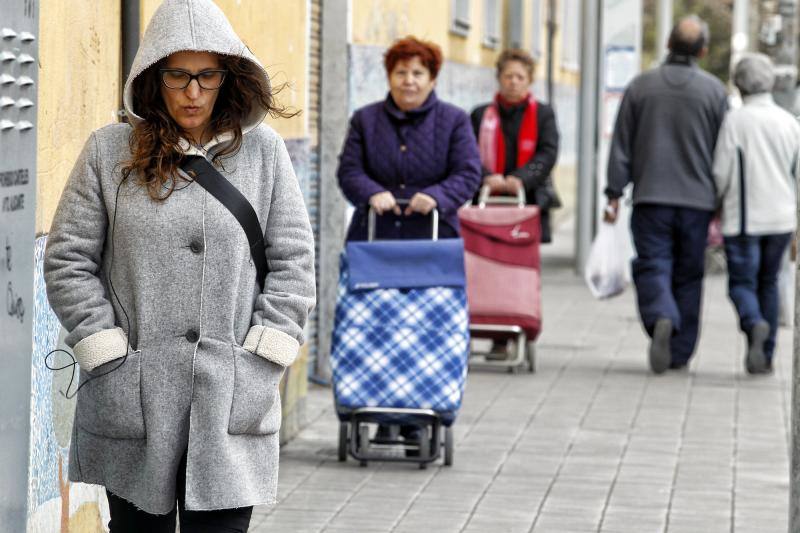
(608, 267)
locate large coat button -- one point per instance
(192, 336)
(196, 247)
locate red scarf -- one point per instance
(490, 136)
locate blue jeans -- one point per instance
(753, 265)
(668, 270)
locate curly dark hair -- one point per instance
(155, 156)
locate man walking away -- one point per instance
(664, 142)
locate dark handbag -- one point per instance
(209, 178)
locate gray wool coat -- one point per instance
(161, 304)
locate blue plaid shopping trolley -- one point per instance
(400, 345)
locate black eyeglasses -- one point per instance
(210, 80)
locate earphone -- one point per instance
(124, 358)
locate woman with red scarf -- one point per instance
(518, 137)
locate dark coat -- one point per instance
(535, 174)
(431, 150)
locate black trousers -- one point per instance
(126, 518)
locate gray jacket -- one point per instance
(665, 134)
(160, 302)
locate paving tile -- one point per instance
(591, 442)
(433, 521)
(292, 520)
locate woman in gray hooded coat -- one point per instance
(180, 349)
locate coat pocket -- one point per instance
(256, 406)
(110, 404)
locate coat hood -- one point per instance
(190, 25)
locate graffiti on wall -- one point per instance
(55, 504)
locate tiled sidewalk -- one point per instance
(591, 442)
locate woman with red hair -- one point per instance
(410, 146)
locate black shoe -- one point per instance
(756, 361)
(386, 434)
(660, 356)
(679, 365)
(498, 351)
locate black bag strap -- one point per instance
(209, 178)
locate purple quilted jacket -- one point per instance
(431, 149)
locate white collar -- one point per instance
(190, 149)
(759, 99)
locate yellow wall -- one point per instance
(79, 58)
(276, 32)
(379, 22)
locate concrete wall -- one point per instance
(462, 84)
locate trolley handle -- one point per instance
(485, 197)
(401, 201)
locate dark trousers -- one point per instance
(126, 518)
(668, 270)
(753, 265)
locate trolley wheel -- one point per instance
(448, 446)
(512, 370)
(531, 356)
(342, 441)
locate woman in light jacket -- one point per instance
(180, 350)
(755, 169)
